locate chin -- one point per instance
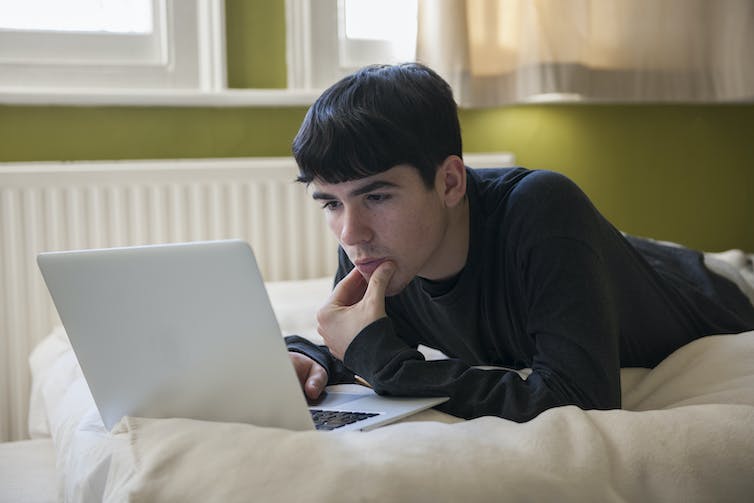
(395, 287)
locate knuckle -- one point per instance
(295, 357)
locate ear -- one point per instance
(450, 180)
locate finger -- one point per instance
(302, 365)
(316, 381)
(379, 281)
(349, 290)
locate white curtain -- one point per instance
(495, 52)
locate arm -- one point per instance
(344, 297)
(337, 372)
(575, 358)
(353, 304)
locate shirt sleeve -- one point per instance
(565, 372)
(393, 368)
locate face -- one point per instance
(389, 216)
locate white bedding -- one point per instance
(27, 471)
(696, 453)
(688, 436)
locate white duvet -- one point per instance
(688, 435)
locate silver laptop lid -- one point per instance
(179, 330)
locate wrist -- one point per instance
(373, 348)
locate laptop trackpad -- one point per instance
(336, 395)
(337, 399)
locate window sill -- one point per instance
(155, 98)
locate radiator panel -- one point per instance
(59, 206)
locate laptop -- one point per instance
(187, 330)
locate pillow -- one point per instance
(296, 303)
(42, 362)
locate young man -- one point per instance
(503, 267)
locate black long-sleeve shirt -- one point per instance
(548, 284)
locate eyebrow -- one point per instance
(370, 187)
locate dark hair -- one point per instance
(377, 118)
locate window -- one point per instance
(372, 31)
(111, 16)
(172, 52)
(112, 44)
(328, 39)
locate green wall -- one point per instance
(677, 172)
(29, 133)
(255, 29)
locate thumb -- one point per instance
(379, 281)
(349, 290)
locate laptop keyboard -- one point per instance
(327, 420)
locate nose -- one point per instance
(354, 227)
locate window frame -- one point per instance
(190, 58)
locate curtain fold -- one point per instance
(496, 52)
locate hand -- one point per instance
(353, 305)
(311, 375)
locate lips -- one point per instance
(367, 266)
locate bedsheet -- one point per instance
(687, 433)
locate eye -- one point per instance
(330, 205)
(378, 198)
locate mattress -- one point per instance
(27, 471)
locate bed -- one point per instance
(686, 433)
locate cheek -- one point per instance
(334, 224)
(335, 231)
(407, 231)
(418, 234)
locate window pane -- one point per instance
(377, 31)
(393, 20)
(111, 16)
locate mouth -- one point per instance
(367, 266)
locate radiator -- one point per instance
(62, 206)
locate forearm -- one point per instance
(394, 368)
